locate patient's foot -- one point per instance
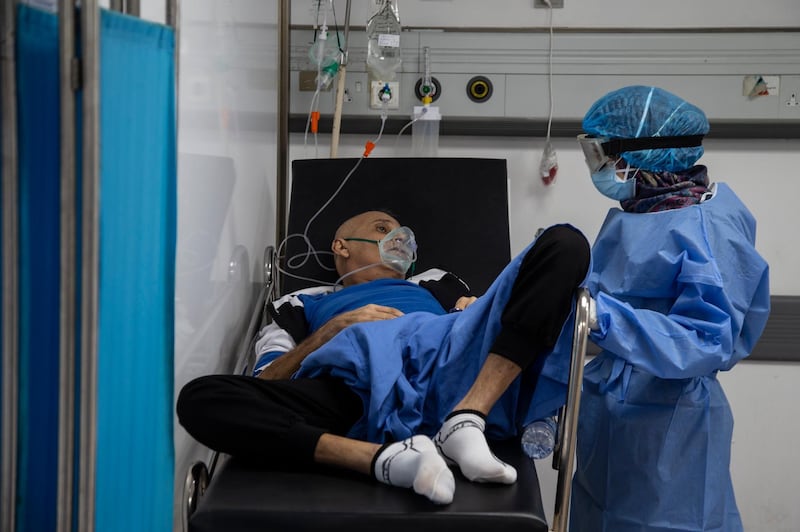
(461, 441)
(415, 463)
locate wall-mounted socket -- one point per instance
(377, 91)
(789, 106)
(307, 81)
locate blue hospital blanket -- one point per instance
(411, 371)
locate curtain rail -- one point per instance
(90, 178)
(10, 274)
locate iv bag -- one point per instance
(325, 50)
(383, 45)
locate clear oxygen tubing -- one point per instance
(299, 260)
(313, 111)
(426, 101)
(339, 281)
(400, 133)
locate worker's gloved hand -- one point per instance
(593, 325)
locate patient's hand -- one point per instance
(287, 364)
(369, 312)
(465, 301)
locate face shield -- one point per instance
(593, 153)
(398, 249)
(600, 151)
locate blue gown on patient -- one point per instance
(411, 371)
(680, 295)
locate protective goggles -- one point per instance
(599, 151)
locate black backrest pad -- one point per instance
(458, 209)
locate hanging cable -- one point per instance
(548, 167)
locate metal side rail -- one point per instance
(199, 475)
(564, 456)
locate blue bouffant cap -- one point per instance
(638, 111)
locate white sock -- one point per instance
(461, 441)
(415, 463)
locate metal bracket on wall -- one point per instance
(553, 3)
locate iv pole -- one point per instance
(337, 113)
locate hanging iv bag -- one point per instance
(383, 44)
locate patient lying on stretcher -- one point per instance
(399, 378)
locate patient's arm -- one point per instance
(287, 364)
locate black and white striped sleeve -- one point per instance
(289, 326)
(446, 287)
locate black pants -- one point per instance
(270, 422)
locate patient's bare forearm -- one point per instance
(287, 364)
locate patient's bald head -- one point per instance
(377, 220)
(350, 255)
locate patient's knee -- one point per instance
(193, 399)
(570, 247)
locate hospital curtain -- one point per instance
(134, 458)
(39, 263)
(137, 248)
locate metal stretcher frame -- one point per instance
(199, 476)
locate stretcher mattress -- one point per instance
(241, 498)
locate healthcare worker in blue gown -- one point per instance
(679, 294)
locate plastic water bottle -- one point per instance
(539, 438)
(383, 45)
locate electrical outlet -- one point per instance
(789, 97)
(376, 92)
(307, 81)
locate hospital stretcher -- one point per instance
(458, 209)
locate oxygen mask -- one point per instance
(398, 249)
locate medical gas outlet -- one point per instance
(384, 93)
(479, 89)
(433, 90)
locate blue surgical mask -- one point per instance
(611, 185)
(398, 248)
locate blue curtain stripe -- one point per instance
(137, 261)
(134, 462)
(39, 256)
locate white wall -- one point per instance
(226, 190)
(765, 454)
(577, 13)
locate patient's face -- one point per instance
(371, 225)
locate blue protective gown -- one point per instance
(412, 370)
(680, 295)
